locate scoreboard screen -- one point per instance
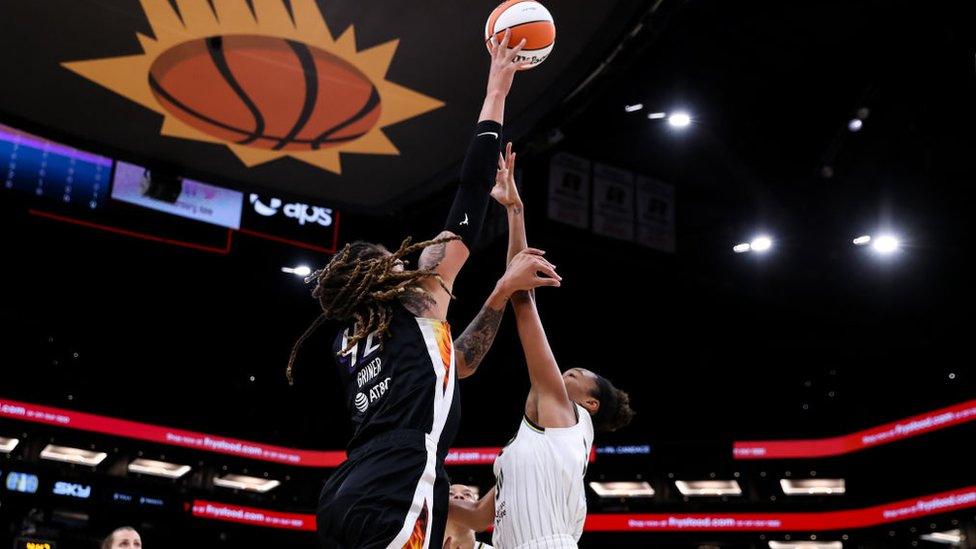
(52, 171)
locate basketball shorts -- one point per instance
(390, 493)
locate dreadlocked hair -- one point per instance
(360, 283)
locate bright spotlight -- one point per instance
(679, 120)
(855, 124)
(886, 245)
(862, 240)
(633, 108)
(301, 270)
(657, 115)
(761, 244)
(742, 248)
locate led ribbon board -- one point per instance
(81, 421)
(913, 426)
(935, 504)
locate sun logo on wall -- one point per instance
(263, 77)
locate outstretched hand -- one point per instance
(505, 192)
(529, 270)
(503, 64)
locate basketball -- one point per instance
(528, 20)
(265, 92)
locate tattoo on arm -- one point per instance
(432, 256)
(473, 344)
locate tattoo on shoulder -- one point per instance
(477, 338)
(432, 256)
(418, 301)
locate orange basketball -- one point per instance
(265, 92)
(528, 20)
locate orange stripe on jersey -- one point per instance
(442, 331)
(419, 534)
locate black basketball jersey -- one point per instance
(404, 381)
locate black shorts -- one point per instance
(387, 494)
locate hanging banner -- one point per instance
(569, 190)
(613, 202)
(655, 214)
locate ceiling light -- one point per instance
(679, 120)
(806, 545)
(622, 489)
(886, 244)
(244, 482)
(158, 468)
(813, 486)
(708, 487)
(67, 454)
(7, 445)
(949, 537)
(761, 244)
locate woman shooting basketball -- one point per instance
(397, 361)
(539, 499)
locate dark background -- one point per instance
(816, 338)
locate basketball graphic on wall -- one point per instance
(266, 79)
(265, 92)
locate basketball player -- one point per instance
(459, 536)
(125, 537)
(396, 359)
(539, 498)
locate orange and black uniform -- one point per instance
(402, 395)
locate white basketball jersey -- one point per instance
(540, 500)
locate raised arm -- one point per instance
(506, 193)
(548, 402)
(473, 344)
(521, 275)
(477, 176)
(477, 516)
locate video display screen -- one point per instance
(51, 171)
(178, 196)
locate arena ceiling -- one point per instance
(397, 86)
(817, 339)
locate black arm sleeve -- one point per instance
(477, 178)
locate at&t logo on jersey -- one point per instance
(379, 390)
(361, 402)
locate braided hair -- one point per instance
(359, 285)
